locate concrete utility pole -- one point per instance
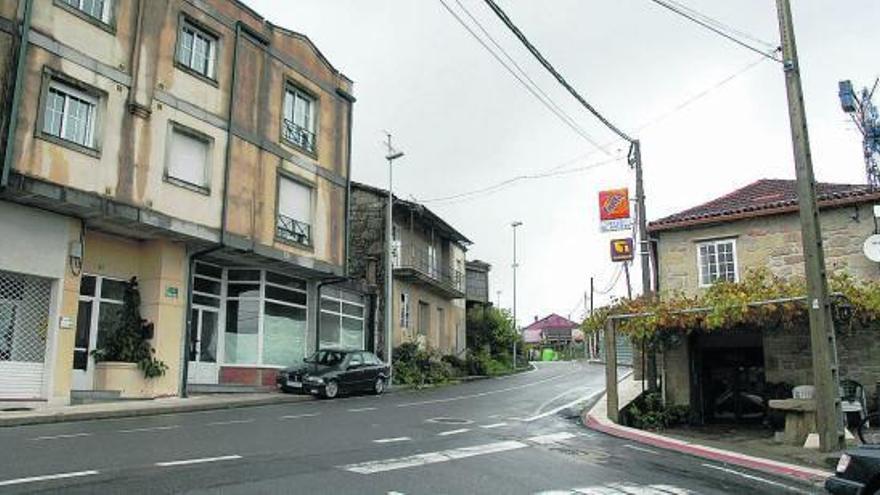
(829, 416)
(390, 155)
(514, 224)
(635, 160)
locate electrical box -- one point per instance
(847, 97)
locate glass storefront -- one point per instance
(342, 319)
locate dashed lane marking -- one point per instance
(297, 416)
(48, 477)
(57, 437)
(453, 432)
(154, 428)
(362, 409)
(231, 422)
(392, 440)
(493, 425)
(747, 476)
(203, 460)
(383, 465)
(641, 449)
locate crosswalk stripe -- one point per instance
(379, 466)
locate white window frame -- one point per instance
(309, 237)
(105, 9)
(341, 315)
(70, 93)
(292, 94)
(197, 33)
(715, 243)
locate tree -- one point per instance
(492, 329)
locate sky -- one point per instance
(710, 117)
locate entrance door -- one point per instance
(100, 305)
(203, 345)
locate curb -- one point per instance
(71, 416)
(769, 466)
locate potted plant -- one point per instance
(126, 360)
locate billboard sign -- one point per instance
(614, 210)
(622, 249)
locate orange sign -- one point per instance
(614, 204)
(622, 249)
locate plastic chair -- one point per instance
(853, 399)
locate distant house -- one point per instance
(551, 331)
(477, 283)
(727, 374)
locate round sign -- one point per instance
(872, 247)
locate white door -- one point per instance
(204, 345)
(100, 302)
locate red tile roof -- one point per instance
(552, 321)
(762, 198)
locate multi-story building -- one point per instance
(428, 259)
(191, 144)
(477, 283)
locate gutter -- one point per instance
(20, 63)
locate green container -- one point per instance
(548, 355)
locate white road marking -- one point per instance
(203, 460)
(453, 432)
(48, 477)
(231, 422)
(154, 428)
(754, 478)
(362, 409)
(493, 416)
(551, 438)
(493, 425)
(69, 435)
(564, 406)
(371, 467)
(621, 488)
(392, 440)
(641, 449)
(483, 394)
(296, 416)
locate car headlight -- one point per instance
(314, 379)
(843, 463)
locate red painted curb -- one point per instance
(755, 463)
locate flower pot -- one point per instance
(127, 378)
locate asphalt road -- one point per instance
(512, 435)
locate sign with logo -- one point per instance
(171, 292)
(614, 210)
(622, 249)
(872, 248)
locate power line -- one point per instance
(730, 29)
(537, 54)
(567, 120)
(694, 18)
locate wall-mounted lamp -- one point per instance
(75, 256)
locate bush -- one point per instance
(647, 412)
(414, 366)
(482, 363)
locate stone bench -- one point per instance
(800, 419)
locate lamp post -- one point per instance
(390, 155)
(514, 224)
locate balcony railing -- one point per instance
(447, 278)
(298, 135)
(289, 229)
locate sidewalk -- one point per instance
(134, 408)
(628, 389)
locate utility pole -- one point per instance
(595, 337)
(391, 155)
(635, 160)
(629, 290)
(514, 224)
(498, 294)
(829, 416)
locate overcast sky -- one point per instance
(466, 124)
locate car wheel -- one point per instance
(331, 390)
(379, 386)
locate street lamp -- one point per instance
(514, 224)
(390, 155)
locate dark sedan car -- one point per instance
(330, 372)
(858, 472)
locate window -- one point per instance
(69, 114)
(196, 49)
(104, 296)
(404, 310)
(342, 319)
(717, 261)
(96, 9)
(294, 212)
(188, 158)
(298, 127)
(424, 318)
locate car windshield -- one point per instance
(329, 358)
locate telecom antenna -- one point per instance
(863, 112)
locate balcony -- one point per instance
(298, 136)
(419, 269)
(290, 230)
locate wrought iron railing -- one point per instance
(433, 268)
(289, 229)
(298, 135)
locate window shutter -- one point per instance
(188, 159)
(295, 200)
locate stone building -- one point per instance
(758, 226)
(477, 283)
(429, 270)
(191, 144)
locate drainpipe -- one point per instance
(349, 118)
(227, 159)
(20, 64)
(187, 317)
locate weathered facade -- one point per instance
(758, 227)
(428, 262)
(477, 283)
(190, 144)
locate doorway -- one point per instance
(100, 304)
(203, 368)
(730, 376)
